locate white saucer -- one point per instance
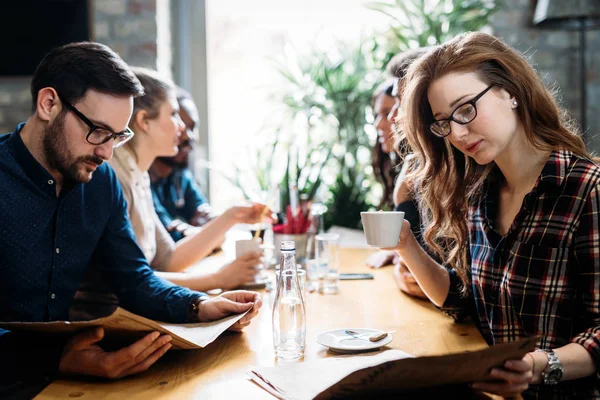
(339, 341)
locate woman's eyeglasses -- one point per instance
(462, 114)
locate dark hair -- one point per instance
(75, 68)
(183, 94)
(383, 168)
(399, 64)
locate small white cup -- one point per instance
(243, 247)
(382, 228)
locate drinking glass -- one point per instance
(328, 262)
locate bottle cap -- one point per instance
(288, 245)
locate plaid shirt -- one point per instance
(543, 277)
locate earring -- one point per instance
(514, 103)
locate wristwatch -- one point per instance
(553, 372)
(192, 312)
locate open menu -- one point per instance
(383, 373)
(122, 324)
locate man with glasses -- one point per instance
(63, 212)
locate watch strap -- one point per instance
(553, 364)
(192, 314)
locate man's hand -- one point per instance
(228, 303)
(83, 356)
(382, 258)
(406, 281)
(202, 215)
(239, 271)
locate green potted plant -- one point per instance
(332, 91)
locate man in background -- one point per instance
(179, 202)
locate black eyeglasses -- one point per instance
(462, 114)
(99, 135)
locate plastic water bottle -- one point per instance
(289, 311)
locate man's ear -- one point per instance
(48, 104)
(141, 120)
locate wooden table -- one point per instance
(218, 371)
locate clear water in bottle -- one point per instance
(289, 312)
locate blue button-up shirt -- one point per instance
(177, 197)
(47, 243)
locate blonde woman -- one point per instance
(157, 127)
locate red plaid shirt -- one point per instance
(543, 277)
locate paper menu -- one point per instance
(124, 324)
(306, 380)
(386, 372)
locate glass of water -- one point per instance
(312, 283)
(328, 262)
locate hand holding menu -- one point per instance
(384, 373)
(124, 324)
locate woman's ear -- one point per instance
(509, 98)
(141, 121)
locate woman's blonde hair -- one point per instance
(447, 181)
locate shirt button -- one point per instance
(50, 181)
(57, 250)
(52, 296)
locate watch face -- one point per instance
(555, 374)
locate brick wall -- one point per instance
(128, 26)
(555, 55)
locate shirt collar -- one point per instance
(32, 168)
(553, 174)
(555, 170)
(125, 158)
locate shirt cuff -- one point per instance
(590, 340)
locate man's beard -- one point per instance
(177, 160)
(60, 158)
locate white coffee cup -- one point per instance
(382, 228)
(243, 247)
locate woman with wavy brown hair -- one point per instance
(512, 203)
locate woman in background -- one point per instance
(397, 191)
(384, 155)
(157, 127)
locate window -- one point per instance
(242, 39)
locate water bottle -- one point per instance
(289, 312)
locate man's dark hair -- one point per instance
(183, 94)
(399, 64)
(75, 68)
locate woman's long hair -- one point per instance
(383, 166)
(447, 181)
